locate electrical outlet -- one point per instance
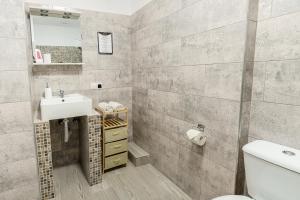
(96, 85)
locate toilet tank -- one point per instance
(272, 171)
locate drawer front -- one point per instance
(115, 134)
(116, 160)
(116, 147)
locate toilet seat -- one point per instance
(232, 197)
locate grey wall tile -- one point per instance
(277, 123)
(224, 81)
(186, 3)
(212, 112)
(16, 146)
(281, 7)
(183, 79)
(203, 16)
(154, 11)
(10, 122)
(149, 35)
(18, 174)
(221, 45)
(13, 53)
(12, 8)
(11, 26)
(282, 82)
(278, 38)
(264, 9)
(166, 54)
(167, 102)
(14, 86)
(258, 85)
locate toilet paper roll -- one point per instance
(196, 137)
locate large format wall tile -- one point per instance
(17, 174)
(13, 53)
(11, 26)
(258, 85)
(15, 117)
(281, 7)
(203, 16)
(165, 54)
(224, 81)
(278, 38)
(282, 84)
(264, 9)
(17, 146)
(222, 45)
(278, 123)
(154, 11)
(274, 110)
(14, 86)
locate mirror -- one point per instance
(56, 37)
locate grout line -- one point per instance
(189, 35)
(195, 95)
(274, 17)
(185, 65)
(276, 103)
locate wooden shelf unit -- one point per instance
(114, 127)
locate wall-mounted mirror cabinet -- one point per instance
(56, 37)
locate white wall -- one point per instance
(126, 7)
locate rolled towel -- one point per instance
(105, 106)
(116, 106)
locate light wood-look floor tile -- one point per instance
(127, 183)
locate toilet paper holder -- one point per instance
(201, 127)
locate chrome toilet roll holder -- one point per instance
(201, 127)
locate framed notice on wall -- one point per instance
(105, 43)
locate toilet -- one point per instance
(272, 172)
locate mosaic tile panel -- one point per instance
(95, 162)
(63, 54)
(44, 157)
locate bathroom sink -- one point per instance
(72, 105)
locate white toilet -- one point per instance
(272, 172)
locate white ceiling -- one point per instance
(126, 7)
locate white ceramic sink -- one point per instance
(72, 105)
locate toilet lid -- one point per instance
(233, 197)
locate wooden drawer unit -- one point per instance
(115, 134)
(116, 147)
(116, 160)
(114, 138)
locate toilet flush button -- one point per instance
(288, 153)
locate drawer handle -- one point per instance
(117, 146)
(117, 161)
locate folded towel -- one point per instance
(116, 106)
(105, 106)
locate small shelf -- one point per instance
(114, 123)
(57, 64)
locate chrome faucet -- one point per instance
(62, 93)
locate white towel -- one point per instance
(116, 106)
(105, 106)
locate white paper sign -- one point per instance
(105, 44)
